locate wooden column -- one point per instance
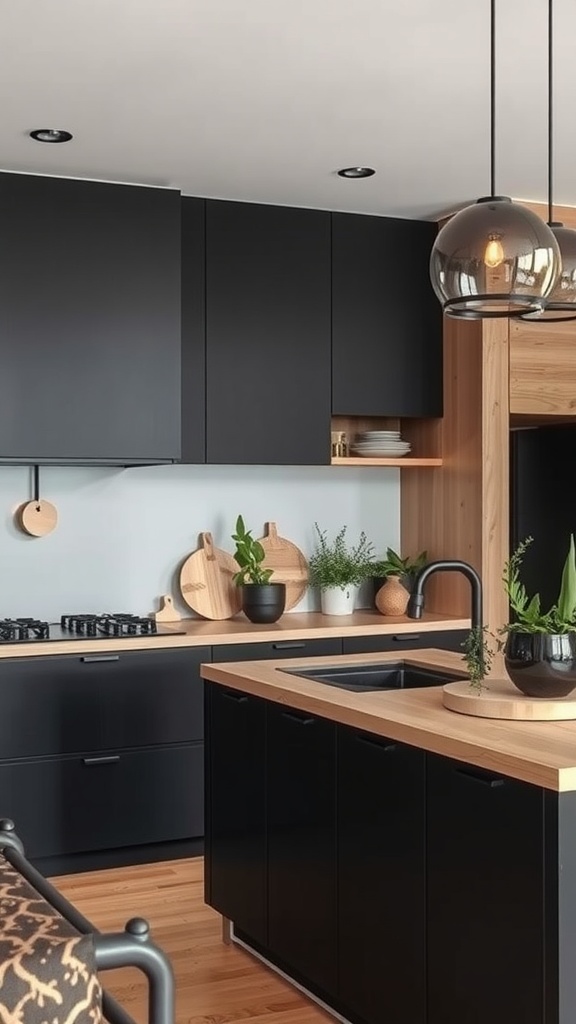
(462, 509)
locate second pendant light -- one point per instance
(561, 304)
(495, 258)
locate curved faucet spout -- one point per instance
(416, 602)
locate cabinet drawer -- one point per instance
(446, 640)
(62, 705)
(96, 802)
(153, 697)
(49, 706)
(279, 649)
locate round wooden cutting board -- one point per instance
(288, 562)
(501, 699)
(38, 517)
(206, 581)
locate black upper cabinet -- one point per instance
(193, 330)
(268, 334)
(387, 323)
(89, 321)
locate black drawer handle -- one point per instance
(492, 781)
(107, 759)
(300, 719)
(401, 637)
(240, 698)
(100, 657)
(380, 743)
(288, 645)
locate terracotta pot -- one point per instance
(392, 598)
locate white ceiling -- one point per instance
(263, 100)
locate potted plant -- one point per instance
(262, 601)
(391, 571)
(338, 570)
(540, 646)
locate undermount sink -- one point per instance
(390, 675)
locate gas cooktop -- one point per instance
(82, 627)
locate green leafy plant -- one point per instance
(528, 614)
(336, 564)
(406, 568)
(249, 554)
(478, 656)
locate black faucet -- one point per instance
(416, 602)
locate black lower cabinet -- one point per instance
(301, 815)
(485, 897)
(381, 879)
(101, 801)
(235, 841)
(445, 640)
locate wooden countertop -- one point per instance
(199, 632)
(543, 753)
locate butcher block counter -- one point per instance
(397, 860)
(200, 632)
(543, 753)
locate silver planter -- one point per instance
(542, 664)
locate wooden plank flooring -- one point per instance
(215, 984)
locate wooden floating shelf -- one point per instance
(404, 463)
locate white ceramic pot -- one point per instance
(338, 600)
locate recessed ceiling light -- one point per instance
(356, 172)
(50, 135)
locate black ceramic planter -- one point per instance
(263, 602)
(542, 664)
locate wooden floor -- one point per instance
(215, 984)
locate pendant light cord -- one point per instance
(493, 96)
(550, 109)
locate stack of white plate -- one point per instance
(380, 444)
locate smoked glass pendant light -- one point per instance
(561, 304)
(495, 258)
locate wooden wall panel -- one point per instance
(462, 510)
(543, 368)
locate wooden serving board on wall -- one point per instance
(501, 699)
(206, 581)
(288, 562)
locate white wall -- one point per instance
(122, 534)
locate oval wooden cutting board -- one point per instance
(288, 562)
(206, 581)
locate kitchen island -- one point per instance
(399, 861)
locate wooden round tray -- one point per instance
(501, 699)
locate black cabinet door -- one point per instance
(301, 811)
(49, 706)
(104, 801)
(278, 649)
(89, 320)
(193, 330)
(381, 879)
(58, 705)
(268, 334)
(485, 896)
(235, 808)
(151, 697)
(445, 640)
(386, 321)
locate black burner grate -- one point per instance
(113, 624)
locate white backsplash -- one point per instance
(123, 534)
